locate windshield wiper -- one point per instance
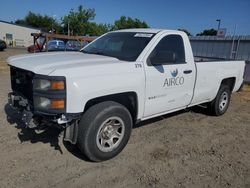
(97, 52)
(100, 53)
(86, 52)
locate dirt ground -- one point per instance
(184, 149)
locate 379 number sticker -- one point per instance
(137, 65)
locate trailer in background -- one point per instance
(40, 40)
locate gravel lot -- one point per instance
(184, 149)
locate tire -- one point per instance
(104, 131)
(221, 102)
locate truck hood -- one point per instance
(46, 63)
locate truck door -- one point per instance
(170, 76)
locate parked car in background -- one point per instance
(35, 48)
(75, 45)
(2, 45)
(56, 45)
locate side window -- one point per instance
(61, 43)
(170, 45)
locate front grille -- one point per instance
(21, 82)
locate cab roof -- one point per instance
(143, 30)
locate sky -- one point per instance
(193, 15)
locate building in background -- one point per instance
(229, 47)
(16, 35)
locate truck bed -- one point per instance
(199, 59)
(210, 75)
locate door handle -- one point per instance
(187, 71)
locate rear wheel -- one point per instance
(104, 131)
(220, 104)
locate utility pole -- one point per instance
(68, 29)
(52, 23)
(52, 28)
(218, 20)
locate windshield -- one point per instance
(122, 45)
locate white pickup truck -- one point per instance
(123, 77)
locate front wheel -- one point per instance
(220, 104)
(104, 131)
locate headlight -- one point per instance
(49, 94)
(46, 103)
(45, 85)
(41, 84)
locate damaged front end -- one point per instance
(41, 101)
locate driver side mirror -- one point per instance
(163, 58)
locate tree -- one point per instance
(93, 29)
(78, 21)
(128, 22)
(186, 31)
(208, 32)
(45, 23)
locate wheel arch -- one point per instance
(229, 82)
(127, 99)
